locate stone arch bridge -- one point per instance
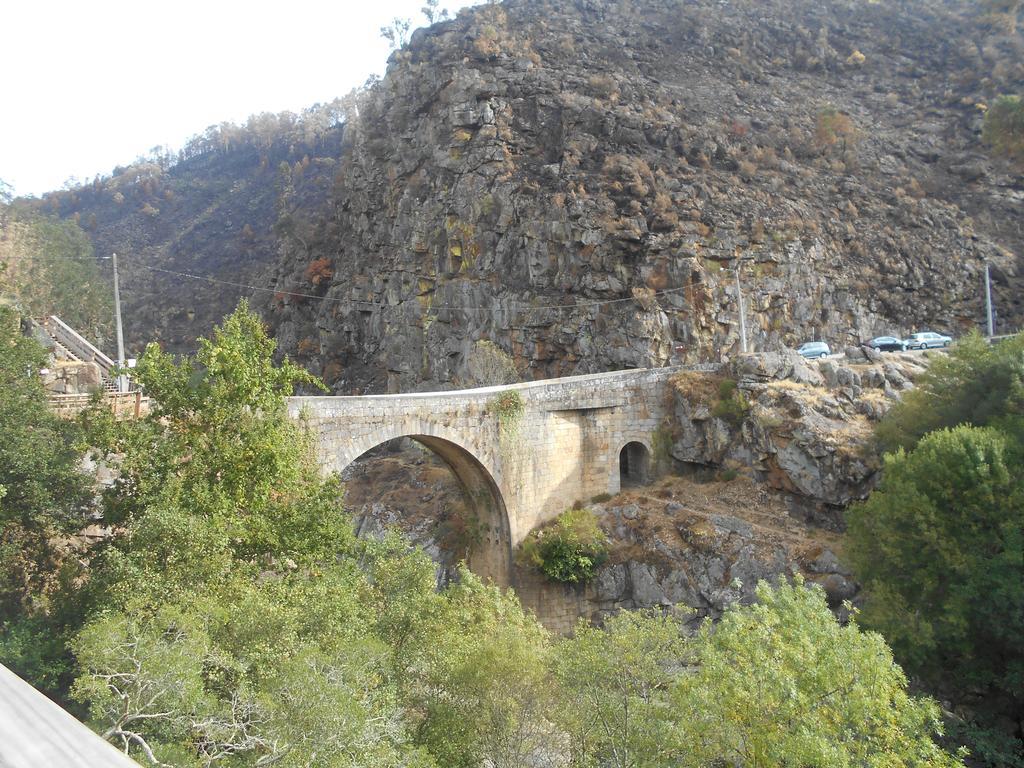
(574, 438)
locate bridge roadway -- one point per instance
(572, 440)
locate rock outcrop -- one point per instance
(577, 182)
(801, 428)
(697, 547)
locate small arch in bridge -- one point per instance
(634, 464)
(491, 556)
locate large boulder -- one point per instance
(769, 366)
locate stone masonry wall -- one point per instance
(563, 448)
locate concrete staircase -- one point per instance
(71, 345)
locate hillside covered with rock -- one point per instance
(576, 181)
(195, 229)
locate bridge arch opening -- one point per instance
(474, 527)
(634, 464)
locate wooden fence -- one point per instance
(124, 405)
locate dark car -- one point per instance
(888, 344)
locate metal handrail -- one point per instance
(75, 343)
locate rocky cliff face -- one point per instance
(697, 546)
(577, 182)
(804, 429)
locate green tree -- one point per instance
(479, 681)
(229, 618)
(45, 498)
(939, 547)
(280, 670)
(39, 466)
(976, 383)
(218, 449)
(614, 685)
(781, 683)
(1003, 129)
(47, 266)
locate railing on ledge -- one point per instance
(124, 405)
(77, 345)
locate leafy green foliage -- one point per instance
(731, 405)
(218, 446)
(570, 549)
(780, 683)
(976, 383)
(940, 548)
(776, 684)
(278, 669)
(1003, 129)
(229, 616)
(478, 680)
(47, 267)
(940, 545)
(614, 684)
(38, 465)
(44, 496)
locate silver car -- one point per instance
(927, 339)
(813, 349)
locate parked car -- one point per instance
(814, 349)
(887, 344)
(927, 339)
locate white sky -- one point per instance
(91, 85)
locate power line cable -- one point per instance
(276, 292)
(342, 300)
(30, 257)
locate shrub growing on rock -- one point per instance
(1004, 127)
(732, 406)
(834, 127)
(569, 550)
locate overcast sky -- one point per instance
(91, 85)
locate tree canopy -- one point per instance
(47, 266)
(233, 619)
(939, 546)
(976, 383)
(44, 496)
(781, 683)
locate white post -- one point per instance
(988, 302)
(122, 380)
(743, 318)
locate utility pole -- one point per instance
(743, 315)
(988, 302)
(122, 380)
